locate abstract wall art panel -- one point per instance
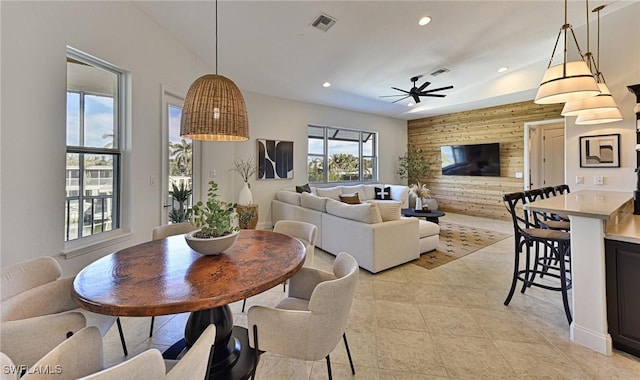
(275, 159)
(602, 151)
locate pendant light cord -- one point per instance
(216, 37)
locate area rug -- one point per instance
(456, 241)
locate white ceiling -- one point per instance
(270, 47)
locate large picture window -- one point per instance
(94, 149)
(341, 155)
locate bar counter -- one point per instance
(592, 213)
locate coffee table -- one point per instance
(431, 216)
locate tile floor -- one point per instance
(413, 323)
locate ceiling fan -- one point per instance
(417, 92)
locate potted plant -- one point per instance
(415, 167)
(180, 194)
(246, 169)
(214, 218)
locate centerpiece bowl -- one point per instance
(210, 246)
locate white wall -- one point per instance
(620, 64)
(34, 36)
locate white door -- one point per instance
(553, 157)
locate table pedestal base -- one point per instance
(232, 357)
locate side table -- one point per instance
(431, 216)
(248, 216)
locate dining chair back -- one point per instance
(164, 231)
(37, 312)
(80, 355)
(310, 322)
(305, 232)
(150, 365)
(161, 232)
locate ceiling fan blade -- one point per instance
(396, 101)
(416, 98)
(399, 89)
(389, 96)
(434, 95)
(436, 89)
(425, 84)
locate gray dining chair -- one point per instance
(37, 312)
(161, 232)
(310, 322)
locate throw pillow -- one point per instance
(389, 210)
(351, 199)
(303, 189)
(383, 193)
(365, 212)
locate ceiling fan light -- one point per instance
(214, 110)
(595, 104)
(599, 118)
(561, 86)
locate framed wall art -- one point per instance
(601, 151)
(275, 159)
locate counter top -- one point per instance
(587, 203)
(627, 230)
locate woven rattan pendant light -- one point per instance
(603, 102)
(214, 109)
(567, 81)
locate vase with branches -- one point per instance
(246, 169)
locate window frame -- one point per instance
(120, 217)
(361, 157)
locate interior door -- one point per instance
(553, 157)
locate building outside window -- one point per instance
(94, 148)
(341, 155)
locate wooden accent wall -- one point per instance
(479, 196)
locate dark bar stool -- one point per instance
(527, 235)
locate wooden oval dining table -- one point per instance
(165, 276)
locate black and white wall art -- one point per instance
(275, 159)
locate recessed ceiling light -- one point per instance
(503, 69)
(410, 104)
(326, 84)
(424, 21)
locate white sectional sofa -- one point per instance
(373, 232)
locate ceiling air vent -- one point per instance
(323, 22)
(439, 71)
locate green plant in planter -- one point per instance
(181, 194)
(215, 217)
(413, 165)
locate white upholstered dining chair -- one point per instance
(150, 365)
(309, 323)
(164, 231)
(37, 312)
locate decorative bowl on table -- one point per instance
(210, 246)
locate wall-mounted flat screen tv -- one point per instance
(471, 160)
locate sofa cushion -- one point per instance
(303, 189)
(329, 192)
(287, 196)
(383, 193)
(426, 228)
(369, 191)
(399, 193)
(365, 212)
(313, 202)
(359, 189)
(389, 210)
(351, 199)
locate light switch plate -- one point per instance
(579, 180)
(598, 180)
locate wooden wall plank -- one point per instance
(479, 196)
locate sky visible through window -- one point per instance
(99, 125)
(315, 146)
